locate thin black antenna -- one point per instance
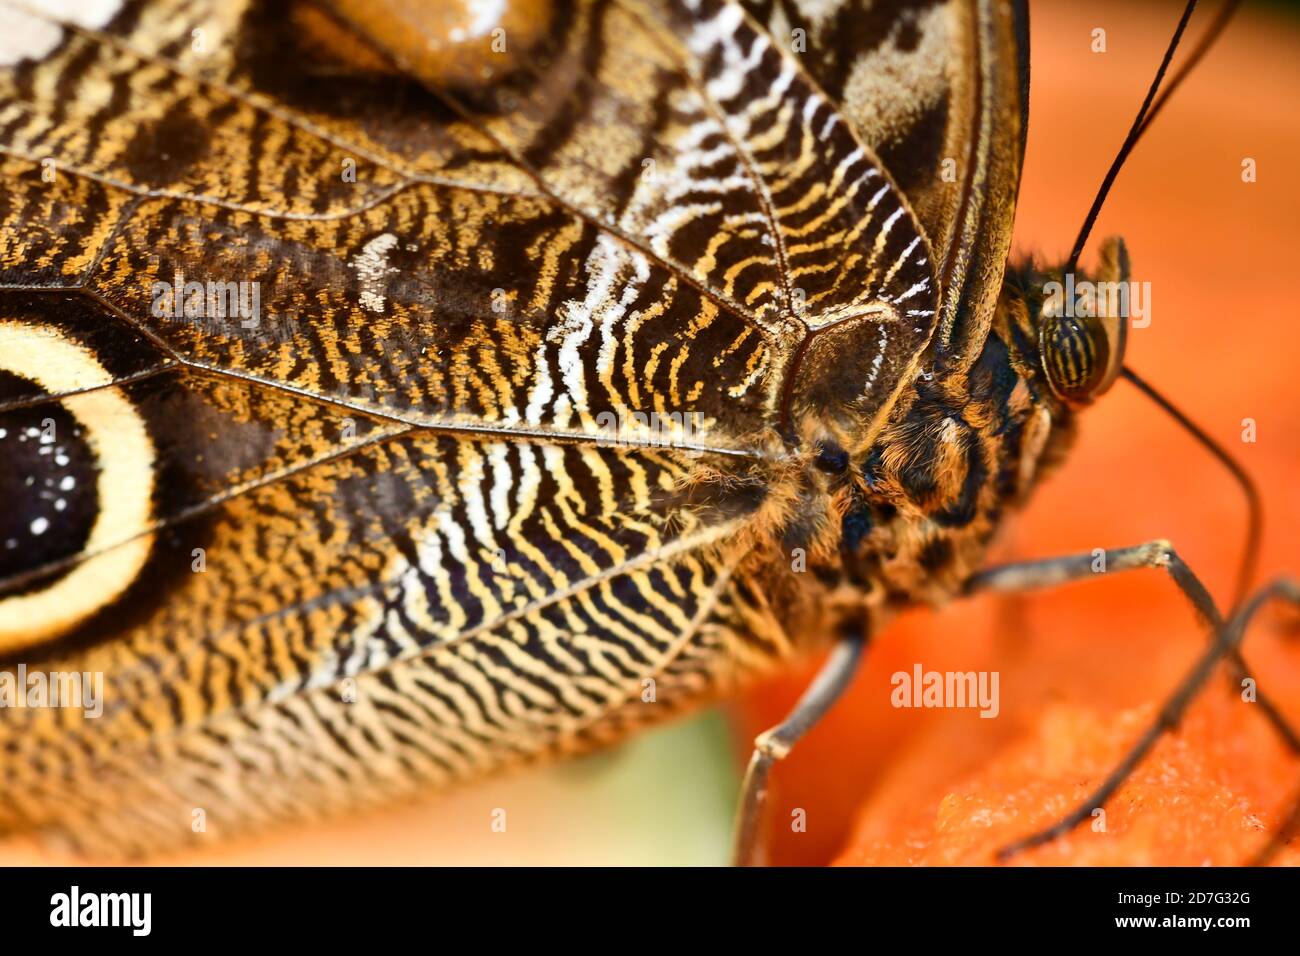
(1134, 133)
(1249, 560)
(1211, 35)
(1151, 106)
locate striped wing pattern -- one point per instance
(380, 535)
(939, 90)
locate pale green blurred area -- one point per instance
(664, 798)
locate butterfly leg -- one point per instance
(1227, 639)
(775, 743)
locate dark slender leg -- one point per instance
(1227, 640)
(776, 742)
(1155, 554)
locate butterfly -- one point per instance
(394, 393)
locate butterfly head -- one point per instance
(1082, 324)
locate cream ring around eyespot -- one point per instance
(124, 456)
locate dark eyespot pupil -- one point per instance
(48, 485)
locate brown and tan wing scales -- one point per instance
(484, 417)
(940, 90)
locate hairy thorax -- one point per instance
(908, 519)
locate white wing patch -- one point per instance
(24, 36)
(372, 269)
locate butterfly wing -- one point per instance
(417, 410)
(940, 91)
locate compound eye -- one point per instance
(1083, 333)
(1078, 355)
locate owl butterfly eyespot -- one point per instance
(338, 300)
(78, 480)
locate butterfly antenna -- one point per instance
(1150, 107)
(1255, 522)
(1207, 41)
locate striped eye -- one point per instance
(1083, 328)
(1076, 354)
(77, 485)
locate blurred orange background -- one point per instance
(1081, 667)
